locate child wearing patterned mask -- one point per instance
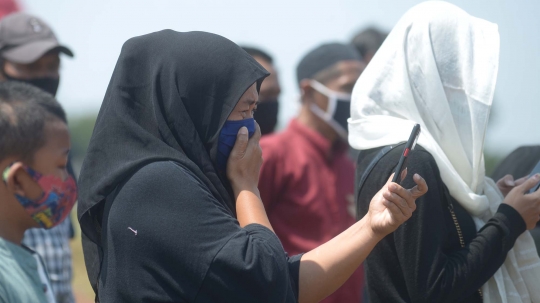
(36, 190)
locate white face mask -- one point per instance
(338, 110)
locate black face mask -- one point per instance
(342, 113)
(47, 84)
(267, 115)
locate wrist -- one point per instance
(239, 188)
(250, 209)
(371, 231)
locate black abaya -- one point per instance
(158, 220)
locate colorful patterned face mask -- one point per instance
(58, 199)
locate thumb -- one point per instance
(241, 143)
(521, 180)
(530, 183)
(421, 187)
(507, 180)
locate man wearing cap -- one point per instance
(307, 179)
(30, 53)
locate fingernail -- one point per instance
(392, 187)
(509, 182)
(243, 130)
(537, 176)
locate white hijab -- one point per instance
(438, 67)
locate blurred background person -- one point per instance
(467, 241)
(516, 165)
(30, 53)
(368, 41)
(268, 108)
(306, 180)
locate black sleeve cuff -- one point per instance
(263, 232)
(512, 221)
(294, 272)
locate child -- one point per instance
(36, 190)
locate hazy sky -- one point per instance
(95, 30)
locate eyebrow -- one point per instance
(251, 102)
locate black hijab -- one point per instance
(168, 98)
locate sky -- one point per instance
(95, 31)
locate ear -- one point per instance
(306, 91)
(12, 181)
(19, 182)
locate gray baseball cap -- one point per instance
(25, 38)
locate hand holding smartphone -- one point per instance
(402, 164)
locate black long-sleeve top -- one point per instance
(167, 239)
(423, 261)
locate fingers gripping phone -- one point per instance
(402, 164)
(536, 170)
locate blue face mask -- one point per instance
(227, 138)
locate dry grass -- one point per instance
(81, 286)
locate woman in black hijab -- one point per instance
(164, 220)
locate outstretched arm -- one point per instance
(324, 269)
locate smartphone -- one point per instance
(402, 164)
(536, 170)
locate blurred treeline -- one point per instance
(80, 127)
(491, 162)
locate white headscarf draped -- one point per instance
(438, 67)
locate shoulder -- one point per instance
(274, 142)
(419, 159)
(157, 169)
(528, 150)
(518, 163)
(164, 174)
(161, 193)
(163, 182)
(275, 147)
(15, 281)
(420, 162)
(422, 159)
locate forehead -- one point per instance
(343, 71)
(250, 97)
(52, 57)
(56, 133)
(56, 146)
(351, 66)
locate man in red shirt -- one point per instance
(307, 179)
